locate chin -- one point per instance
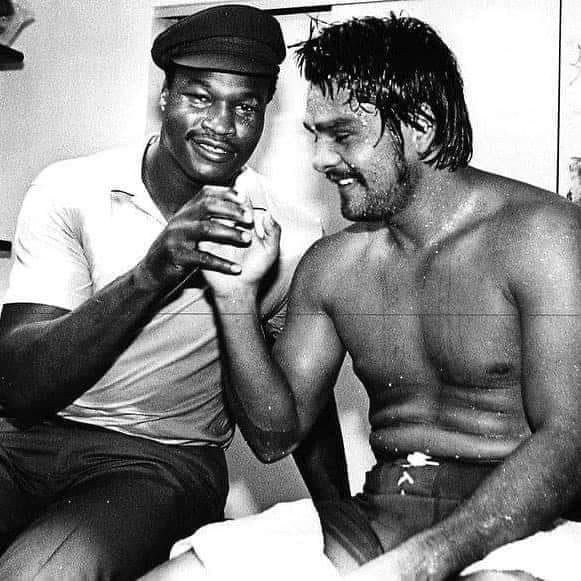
(213, 176)
(360, 214)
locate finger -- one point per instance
(242, 196)
(237, 211)
(211, 207)
(207, 194)
(223, 192)
(271, 228)
(206, 256)
(210, 261)
(218, 230)
(259, 214)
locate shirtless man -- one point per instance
(457, 294)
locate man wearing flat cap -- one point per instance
(115, 422)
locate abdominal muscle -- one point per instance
(473, 424)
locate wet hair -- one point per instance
(170, 74)
(398, 64)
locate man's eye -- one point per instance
(342, 137)
(198, 99)
(247, 108)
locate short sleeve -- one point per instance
(50, 266)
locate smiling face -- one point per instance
(212, 122)
(367, 166)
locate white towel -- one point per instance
(284, 543)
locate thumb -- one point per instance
(271, 230)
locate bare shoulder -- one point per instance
(534, 230)
(332, 258)
(536, 217)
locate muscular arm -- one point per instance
(320, 457)
(277, 399)
(541, 478)
(50, 356)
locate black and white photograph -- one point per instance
(290, 290)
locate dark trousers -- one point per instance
(79, 502)
(397, 502)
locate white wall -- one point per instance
(82, 88)
(570, 125)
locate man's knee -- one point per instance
(499, 576)
(72, 557)
(65, 549)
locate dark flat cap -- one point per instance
(231, 38)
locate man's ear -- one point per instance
(424, 134)
(163, 97)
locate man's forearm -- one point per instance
(320, 457)
(530, 489)
(257, 390)
(48, 364)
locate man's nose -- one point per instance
(220, 120)
(325, 157)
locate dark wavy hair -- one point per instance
(398, 64)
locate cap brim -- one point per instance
(241, 64)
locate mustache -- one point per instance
(196, 134)
(351, 172)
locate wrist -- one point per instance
(435, 555)
(237, 301)
(145, 280)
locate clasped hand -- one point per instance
(214, 232)
(210, 232)
(254, 259)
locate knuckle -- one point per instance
(206, 228)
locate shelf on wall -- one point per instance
(9, 56)
(177, 8)
(5, 248)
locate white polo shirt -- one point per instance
(86, 221)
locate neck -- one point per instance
(169, 187)
(442, 203)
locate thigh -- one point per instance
(111, 526)
(21, 492)
(17, 506)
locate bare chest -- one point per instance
(449, 319)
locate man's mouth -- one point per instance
(213, 150)
(345, 182)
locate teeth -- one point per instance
(346, 182)
(212, 148)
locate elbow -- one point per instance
(270, 456)
(272, 447)
(13, 406)
(15, 400)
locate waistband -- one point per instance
(423, 475)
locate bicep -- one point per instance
(309, 351)
(548, 297)
(18, 315)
